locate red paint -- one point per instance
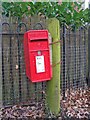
(36, 45)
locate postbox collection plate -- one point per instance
(40, 65)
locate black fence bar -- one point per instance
(1, 99)
(10, 58)
(88, 78)
(11, 68)
(85, 55)
(64, 60)
(19, 71)
(19, 55)
(3, 77)
(75, 53)
(68, 62)
(4, 33)
(79, 73)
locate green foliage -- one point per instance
(70, 13)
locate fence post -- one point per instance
(0, 54)
(53, 86)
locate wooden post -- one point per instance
(0, 54)
(53, 86)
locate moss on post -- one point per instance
(53, 86)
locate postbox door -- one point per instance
(40, 66)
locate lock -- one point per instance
(39, 52)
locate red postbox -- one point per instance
(37, 55)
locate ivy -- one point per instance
(69, 13)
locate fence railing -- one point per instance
(16, 87)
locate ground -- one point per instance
(75, 106)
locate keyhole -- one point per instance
(39, 52)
